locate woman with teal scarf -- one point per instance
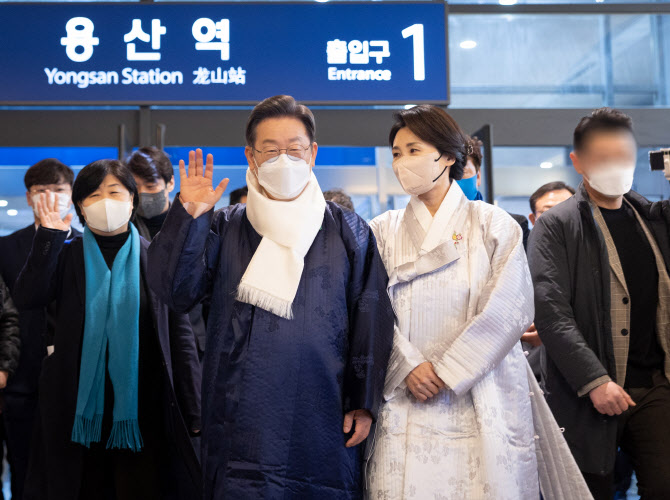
(120, 395)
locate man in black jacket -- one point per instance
(20, 395)
(10, 341)
(599, 262)
(154, 176)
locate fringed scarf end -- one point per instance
(86, 430)
(260, 298)
(126, 434)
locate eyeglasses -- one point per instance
(295, 152)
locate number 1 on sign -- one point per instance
(416, 32)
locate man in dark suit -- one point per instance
(154, 176)
(20, 395)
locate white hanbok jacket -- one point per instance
(463, 296)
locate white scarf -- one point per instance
(288, 229)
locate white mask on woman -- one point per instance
(612, 180)
(282, 177)
(418, 174)
(108, 215)
(62, 202)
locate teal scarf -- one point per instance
(111, 327)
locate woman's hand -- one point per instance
(47, 210)
(197, 192)
(423, 382)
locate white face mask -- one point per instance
(108, 215)
(282, 177)
(62, 203)
(612, 180)
(418, 174)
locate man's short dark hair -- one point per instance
(548, 188)
(436, 127)
(151, 164)
(277, 107)
(48, 171)
(338, 196)
(236, 196)
(92, 175)
(601, 120)
(474, 149)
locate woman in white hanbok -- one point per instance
(463, 416)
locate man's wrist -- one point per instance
(583, 391)
(196, 208)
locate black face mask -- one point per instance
(152, 204)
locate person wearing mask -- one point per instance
(472, 179)
(154, 176)
(463, 415)
(20, 395)
(300, 327)
(340, 197)
(599, 262)
(544, 198)
(239, 195)
(119, 395)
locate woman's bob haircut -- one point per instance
(434, 126)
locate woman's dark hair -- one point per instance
(277, 107)
(91, 176)
(48, 171)
(236, 195)
(434, 126)
(151, 164)
(601, 120)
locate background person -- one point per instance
(20, 395)
(599, 262)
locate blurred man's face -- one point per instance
(604, 150)
(547, 201)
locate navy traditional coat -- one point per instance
(275, 390)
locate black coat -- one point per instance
(523, 222)
(14, 250)
(10, 341)
(56, 272)
(571, 272)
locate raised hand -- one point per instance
(197, 192)
(47, 211)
